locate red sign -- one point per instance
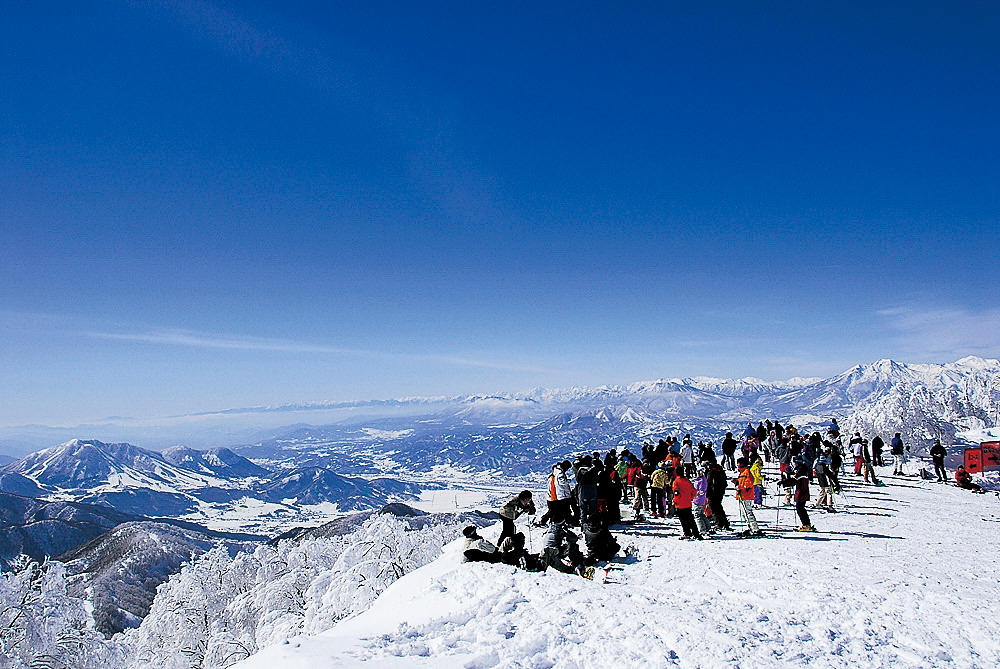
(973, 460)
(991, 455)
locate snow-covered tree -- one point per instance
(220, 609)
(43, 627)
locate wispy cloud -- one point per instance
(170, 337)
(945, 334)
(178, 337)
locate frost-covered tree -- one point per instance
(43, 627)
(220, 609)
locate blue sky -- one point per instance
(209, 205)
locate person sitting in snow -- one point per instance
(964, 480)
(477, 549)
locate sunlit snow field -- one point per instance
(904, 576)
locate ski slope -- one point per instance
(904, 576)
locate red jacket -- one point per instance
(630, 473)
(684, 493)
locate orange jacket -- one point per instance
(744, 484)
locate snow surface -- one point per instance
(904, 576)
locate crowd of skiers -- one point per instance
(686, 481)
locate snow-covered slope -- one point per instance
(900, 578)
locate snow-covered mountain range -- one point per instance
(310, 472)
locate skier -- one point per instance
(641, 496)
(657, 482)
(783, 453)
(687, 455)
(744, 493)
(856, 446)
(684, 494)
(729, 447)
(822, 470)
(898, 454)
(621, 469)
(756, 469)
(833, 452)
(834, 430)
(938, 454)
(802, 496)
(515, 506)
(586, 488)
(706, 453)
(716, 491)
(700, 500)
(877, 446)
(867, 463)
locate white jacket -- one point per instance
(559, 487)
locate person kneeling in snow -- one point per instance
(560, 546)
(964, 480)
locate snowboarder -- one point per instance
(560, 545)
(964, 480)
(938, 454)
